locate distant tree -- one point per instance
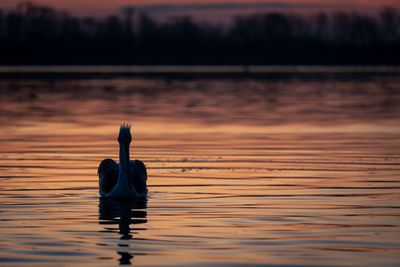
(277, 27)
(390, 20)
(364, 30)
(341, 27)
(128, 13)
(321, 26)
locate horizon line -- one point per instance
(198, 69)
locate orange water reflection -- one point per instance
(241, 171)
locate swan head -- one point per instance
(125, 134)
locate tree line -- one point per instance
(34, 34)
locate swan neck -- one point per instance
(123, 160)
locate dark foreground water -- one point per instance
(267, 170)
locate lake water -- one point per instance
(271, 169)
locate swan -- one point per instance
(126, 179)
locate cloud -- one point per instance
(223, 12)
(161, 8)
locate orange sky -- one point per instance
(151, 2)
(106, 7)
(107, 3)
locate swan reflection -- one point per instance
(123, 212)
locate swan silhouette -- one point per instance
(126, 179)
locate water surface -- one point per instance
(267, 170)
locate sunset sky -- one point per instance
(206, 9)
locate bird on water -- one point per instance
(126, 179)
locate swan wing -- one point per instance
(138, 177)
(108, 176)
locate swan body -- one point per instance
(126, 179)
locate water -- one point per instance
(267, 170)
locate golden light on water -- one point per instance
(269, 171)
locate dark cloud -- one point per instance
(236, 6)
(223, 12)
